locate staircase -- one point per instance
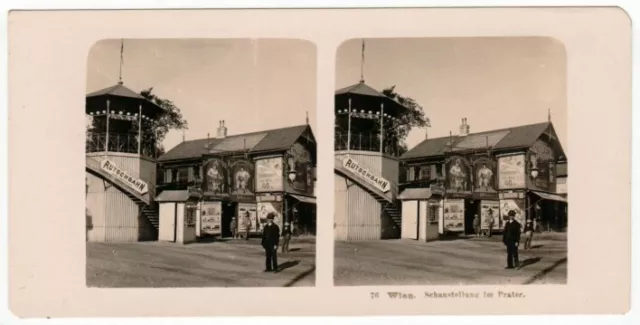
(148, 208)
(389, 205)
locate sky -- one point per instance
(493, 82)
(253, 85)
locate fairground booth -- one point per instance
(487, 174)
(208, 183)
(366, 164)
(120, 166)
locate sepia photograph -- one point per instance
(200, 163)
(450, 161)
(207, 144)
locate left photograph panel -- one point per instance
(201, 163)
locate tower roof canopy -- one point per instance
(121, 99)
(364, 97)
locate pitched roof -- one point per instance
(262, 141)
(501, 139)
(187, 149)
(117, 90)
(360, 89)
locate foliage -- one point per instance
(413, 117)
(171, 120)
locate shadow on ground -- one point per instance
(529, 261)
(287, 265)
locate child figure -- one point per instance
(286, 235)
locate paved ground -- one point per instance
(218, 264)
(456, 261)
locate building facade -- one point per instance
(485, 174)
(244, 176)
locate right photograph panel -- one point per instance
(451, 161)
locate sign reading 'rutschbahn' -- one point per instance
(135, 183)
(377, 181)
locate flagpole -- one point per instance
(121, 60)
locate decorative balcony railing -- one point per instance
(363, 142)
(118, 142)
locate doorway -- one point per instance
(228, 212)
(471, 208)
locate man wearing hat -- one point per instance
(270, 241)
(511, 239)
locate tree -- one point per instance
(413, 117)
(156, 131)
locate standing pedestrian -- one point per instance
(270, 241)
(247, 225)
(286, 235)
(234, 228)
(476, 226)
(528, 232)
(490, 222)
(511, 239)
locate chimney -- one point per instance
(464, 127)
(222, 130)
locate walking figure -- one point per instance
(528, 232)
(490, 222)
(270, 241)
(476, 226)
(234, 228)
(286, 235)
(247, 225)
(511, 239)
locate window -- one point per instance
(439, 172)
(425, 172)
(411, 174)
(196, 172)
(182, 175)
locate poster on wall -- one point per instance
(242, 178)
(190, 210)
(485, 175)
(541, 159)
(298, 162)
(511, 172)
(433, 209)
(215, 177)
(247, 216)
(454, 215)
(490, 208)
(269, 175)
(458, 175)
(515, 205)
(264, 208)
(211, 218)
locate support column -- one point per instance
(349, 127)
(381, 127)
(106, 144)
(139, 128)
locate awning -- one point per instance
(415, 194)
(173, 196)
(551, 197)
(304, 199)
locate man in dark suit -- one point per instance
(270, 241)
(511, 239)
